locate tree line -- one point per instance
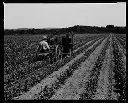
(75, 29)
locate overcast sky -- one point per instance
(44, 15)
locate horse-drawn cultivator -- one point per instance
(52, 56)
(56, 52)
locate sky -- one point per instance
(61, 15)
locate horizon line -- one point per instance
(61, 27)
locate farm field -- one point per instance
(96, 70)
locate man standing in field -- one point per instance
(67, 45)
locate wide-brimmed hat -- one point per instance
(44, 37)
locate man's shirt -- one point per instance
(66, 41)
(45, 45)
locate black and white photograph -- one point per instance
(65, 51)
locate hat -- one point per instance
(44, 37)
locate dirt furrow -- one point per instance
(103, 80)
(53, 81)
(75, 85)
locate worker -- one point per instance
(66, 41)
(43, 45)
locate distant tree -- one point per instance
(110, 28)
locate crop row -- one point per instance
(122, 42)
(119, 72)
(122, 36)
(93, 81)
(122, 45)
(85, 40)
